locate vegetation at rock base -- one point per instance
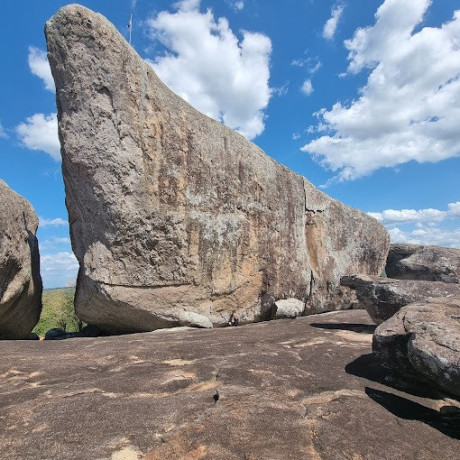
(58, 311)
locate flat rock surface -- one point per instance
(429, 263)
(306, 388)
(176, 219)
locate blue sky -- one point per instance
(362, 97)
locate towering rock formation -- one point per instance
(174, 218)
(20, 281)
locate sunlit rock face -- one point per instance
(20, 281)
(176, 219)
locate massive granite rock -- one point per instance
(429, 263)
(176, 219)
(383, 297)
(20, 281)
(308, 388)
(422, 340)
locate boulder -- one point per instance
(429, 263)
(20, 281)
(288, 308)
(176, 219)
(383, 297)
(56, 334)
(422, 340)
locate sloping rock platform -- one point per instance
(306, 388)
(176, 219)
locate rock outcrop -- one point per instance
(383, 297)
(429, 263)
(20, 281)
(422, 340)
(296, 389)
(176, 219)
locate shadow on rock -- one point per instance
(447, 421)
(369, 367)
(359, 328)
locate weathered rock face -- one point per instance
(174, 218)
(20, 281)
(423, 340)
(383, 297)
(430, 263)
(308, 388)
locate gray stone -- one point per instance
(429, 263)
(20, 281)
(172, 212)
(288, 308)
(423, 340)
(383, 297)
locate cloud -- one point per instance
(237, 5)
(393, 216)
(331, 24)
(56, 222)
(59, 269)
(409, 108)
(422, 226)
(312, 64)
(40, 132)
(307, 88)
(54, 244)
(209, 67)
(427, 236)
(39, 66)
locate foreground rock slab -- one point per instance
(306, 388)
(20, 281)
(423, 339)
(383, 297)
(429, 263)
(176, 219)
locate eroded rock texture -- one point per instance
(383, 297)
(176, 219)
(423, 340)
(20, 281)
(304, 389)
(429, 263)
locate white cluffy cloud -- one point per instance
(236, 4)
(40, 132)
(59, 269)
(56, 222)
(427, 235)
(409, 108)
(422, 226)
(331, 24)
(307, 87)
(393, 216)
(39, 66)
(209, 67)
